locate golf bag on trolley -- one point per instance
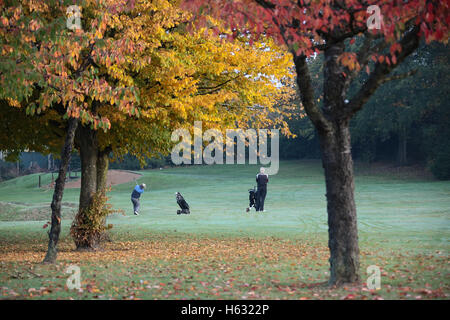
(252, 193)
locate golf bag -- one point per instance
(252, 198)
(182, 203)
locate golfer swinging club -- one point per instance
(261, 179)
(135, 195)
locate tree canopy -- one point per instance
(133, 65)
(131, 74)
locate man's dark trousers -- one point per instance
(260, 197)
(136, 204)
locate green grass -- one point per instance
(403, 220)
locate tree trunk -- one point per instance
(87, 142)
(58, 193)
(342, 223)
(338, 166)
(102, 170)
(102, 174)
(88, 155)
(87, 230)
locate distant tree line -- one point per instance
(405, 122)
(34, 162)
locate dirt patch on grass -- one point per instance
(114, 177)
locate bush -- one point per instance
(88, 228)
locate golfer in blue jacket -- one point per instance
(135, 195)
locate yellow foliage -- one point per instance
(137, 73)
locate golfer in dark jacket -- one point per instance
(261, 179)
(135, 195)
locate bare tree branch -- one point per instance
(307, 94)
(409, 43)
(399, 76)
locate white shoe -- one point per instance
(136, 213)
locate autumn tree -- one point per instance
(308, 28)
(129, 76)
(179, 78)
(46, 66)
